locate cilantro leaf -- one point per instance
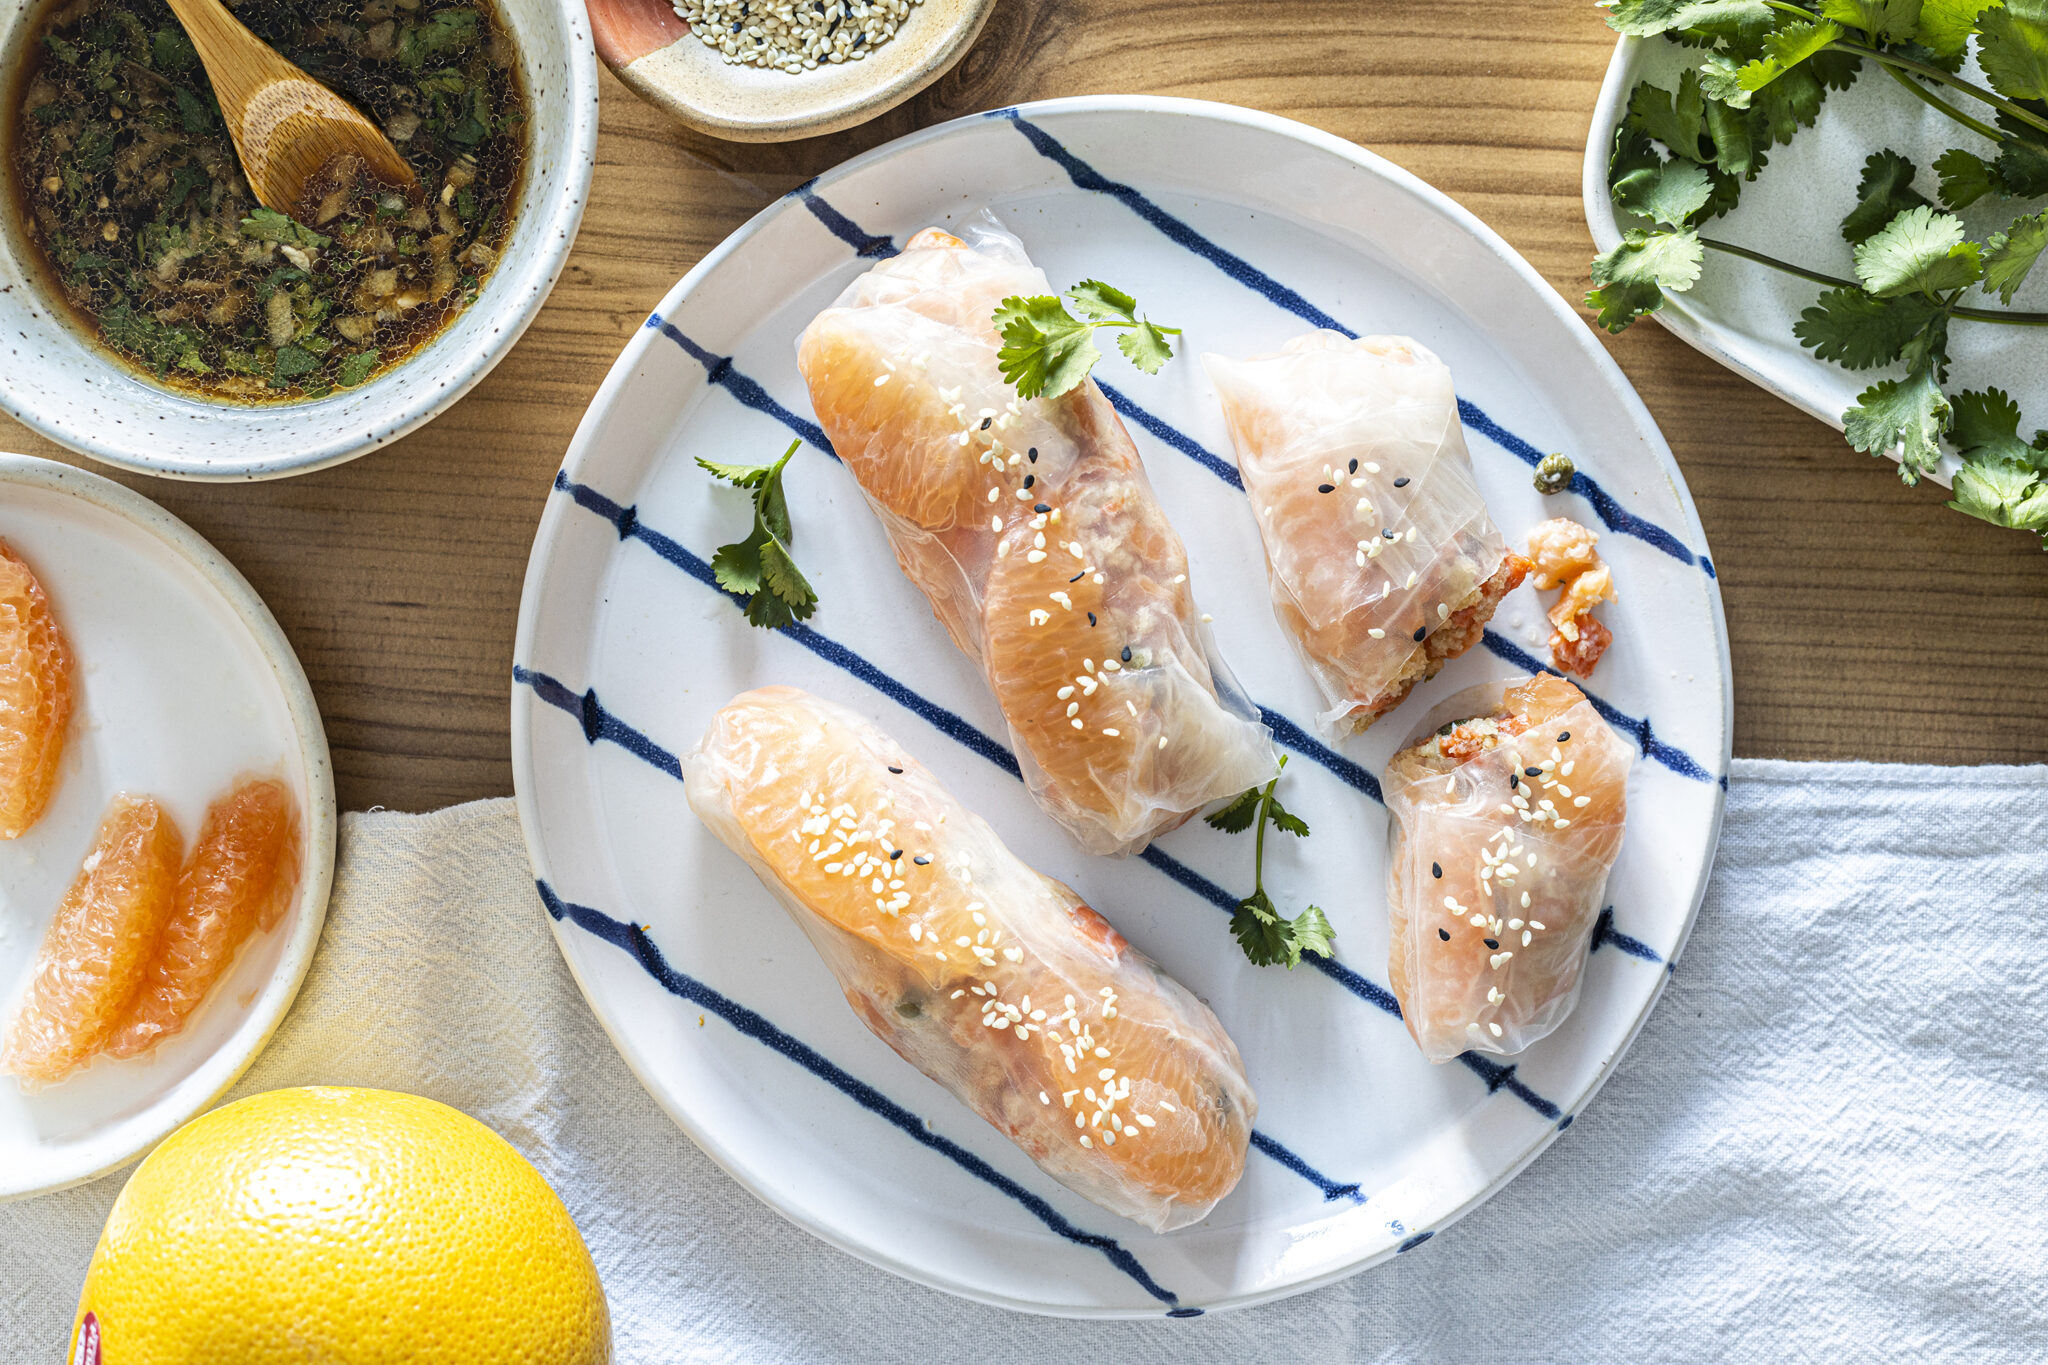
(1285, 821)
(1236, 817)
(1675, 118)
(2005, 492)
(1946, 25)
(1268, 940)
(761, 567)
(1890, 20)
(1631, 279)
(357, 368)
(1918, 250)
(1103, 303)
(1965, 178)
(1666, 192)
(2022, 166)
(1985, 419)
(1784, 49)
(1885, 192)
(1856, 331)
(2012, 47)
(1734, 135)
(1047, 350)
(268, 225)
(1908, 413)
(1647, 18)
(2009, 255)
(1313, 934)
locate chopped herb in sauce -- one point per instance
(131, 189)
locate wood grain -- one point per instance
(1866, 620)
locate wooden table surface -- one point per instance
(1867, 621)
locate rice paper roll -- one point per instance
(997, 982)
(1506, 822)
(1382, 560)
(1032, 530)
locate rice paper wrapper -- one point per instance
(1009, 1012)
(1033, 531)
(1497, 872)
(1355, 463)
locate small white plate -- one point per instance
(184, 682)
(1242, 228)
(1741, 314)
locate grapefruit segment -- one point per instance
(35, 695)
(97, 951)
(239, 879)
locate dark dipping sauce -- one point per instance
(131, 189)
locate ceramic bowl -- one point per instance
(649, 47)
(57, 379)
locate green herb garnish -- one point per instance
(1770, 64)
(761, 567)
(268, 225)
(1047, 350)
(1265, 936)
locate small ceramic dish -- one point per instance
(653, 50)
(184, 683)
(1742, 314)
(63, 383)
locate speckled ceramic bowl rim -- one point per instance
(96, 1156)
(517, 296)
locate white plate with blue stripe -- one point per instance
(1244, 229)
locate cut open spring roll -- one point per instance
(1382, 559)
(997, 982)
(1031, 528)
(1506, 821)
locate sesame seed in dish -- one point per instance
(793, 35)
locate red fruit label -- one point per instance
(86, 1350)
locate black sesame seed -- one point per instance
(1032, 454)
(1030, 479)
(1042, 508)
(1421, 631)
(1514, 781)
(1401, 482)
(1444, 934)
(1532, 772)
(1078, 577)
(985, 422)
(1491, 942)
(1436, 869)
(1127, 653)
(1326, 488)
(897, 771)
(1387, 531)
(1563, 735)
(921, 860)
(897, 854)
(1091, 618)
(1354, 466)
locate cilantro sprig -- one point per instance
(1047, 350)
(761, 567)
(1265, 935)
(1681, 157)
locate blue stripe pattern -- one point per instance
(1245, 273)
(719, 370)
(1672, 757)
(1330, 1188)
(1185, 444)
(1605, 934)
(864, 244)
(634, 941)
(600, 724)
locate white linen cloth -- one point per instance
(1830, 1141)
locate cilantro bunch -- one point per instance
(1265, 935)
(1768, 67)
(1047, 350)
(761, 566)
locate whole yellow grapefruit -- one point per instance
(345, 1227)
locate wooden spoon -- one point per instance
(292, 133)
